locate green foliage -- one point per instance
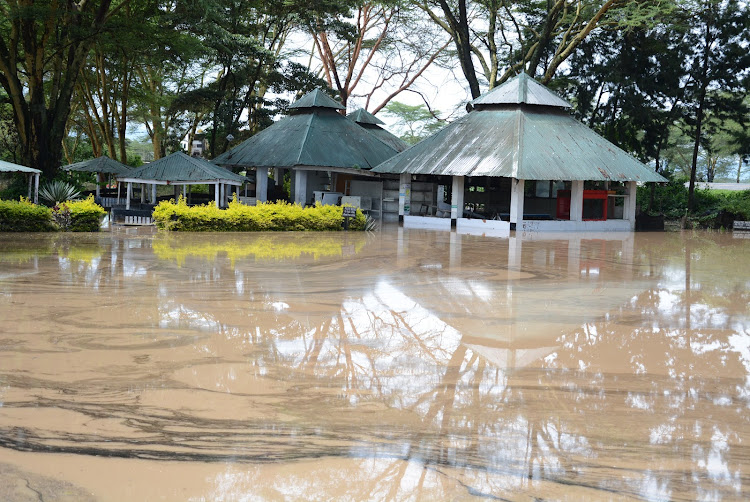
(14, 185)
(23, 216)
(85, 215)
(278, 216)
(414, 122)
(57, 191)
(671, 200)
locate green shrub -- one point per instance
(23, 216)
(238, 217)
(85, 215)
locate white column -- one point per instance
(28, 194)
(300, 187)
(221, 195)
(36, 188)
(261, 183)
(630, 204)
(98, 183)
(143, 193)
(516, 202)
(128, 194)
(216, 194)
(576, 200)
(184, 191)
(457, 199)
(404, 195)
(153, 193)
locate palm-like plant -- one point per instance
(56, 192)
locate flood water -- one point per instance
(398, 365)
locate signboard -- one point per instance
(349, 212)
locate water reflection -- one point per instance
(419, 365)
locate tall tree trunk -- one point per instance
(460, 28)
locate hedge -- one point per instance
(75, 216)
(23, 216)
(238, 217)
(85, 215)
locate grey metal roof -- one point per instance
(526, 143)
(521, 90)
(316, 99)
(101, 164)
(370, 123)
(313, 137)
(181, 168)
(362, 116)
(7, 167)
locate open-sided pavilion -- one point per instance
(33, 175)
(101, 167)
(519, 160)
(181, 170)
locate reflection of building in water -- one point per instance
(518, 160)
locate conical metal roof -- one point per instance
(521, 90)
(362, 116)
(181, 168)
(524, 143)
(316, 99)
(312, 137)
(101, 164)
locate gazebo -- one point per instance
(519, 160)
(323, 148)
(372, 124)
(100, 166)
(33, 175)
(179, 169)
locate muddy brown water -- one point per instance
(399, 365)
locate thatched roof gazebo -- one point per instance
(179, 169)
(315, 137)
(33, 175)
(521, 132)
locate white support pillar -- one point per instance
(516, 202)
(457, 199)
(261, 184)
(630, 204)
(143, 193)
(576, 200)
(98, 184)
(300, 187)
(404, 195)
(216, 194)
(128, 194)
(184, 191)
(222, 197)
(28, 194)
(36, 188)
(153, 193)
(278, 176)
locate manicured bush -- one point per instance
(23, 216)
(85, 215)
(238, 217)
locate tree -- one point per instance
(718, 33)
(43, 47)
(386, 48)
(414, 122)
(532, 36)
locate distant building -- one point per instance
(197, 146)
